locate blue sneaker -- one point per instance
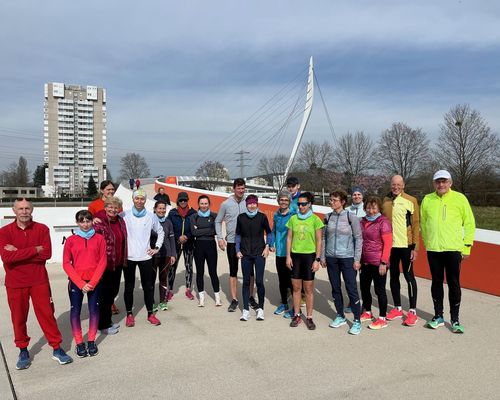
(435, 322)
(289, 314)
(355, 328)
(23, 362)
(337, 322)
(281, 309)
(61, 357)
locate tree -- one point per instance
(39, 176)
(92, 187)
(353, 155)
(16, 174)
(214, 171)
(315, 155)
(133, 165)
(467, 146)
(402, 150)
(272, 166)
(108, 175)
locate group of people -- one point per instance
(373, 236)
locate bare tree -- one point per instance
(16, 174)
(314, 155)
(402, 150)
(272, 167)
(214, 171)
(353, 155)
(133, 165)
(467, 146)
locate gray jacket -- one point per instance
(228, 212)
(342, 236)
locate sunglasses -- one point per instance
(303, 203)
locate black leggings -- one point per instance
(161, 267)
(187, 250)
(368, 274)
(440, 263)
(206, 250)
(146, 271)
(284, 277)
(110, 286)
(402, 255)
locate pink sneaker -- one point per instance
(411, 319)
(366, 316)
(170, 295)
(189, 295)
(378, 324)
(153, 320)
(394, 314)
(130, 322)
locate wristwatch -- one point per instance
(157, 248)
(318, 259)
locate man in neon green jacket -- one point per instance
(448, 228)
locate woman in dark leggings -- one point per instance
(203, 230)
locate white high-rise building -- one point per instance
(74, 136)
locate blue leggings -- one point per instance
(76, 300)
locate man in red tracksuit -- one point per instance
(24, 248)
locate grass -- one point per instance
(487, 217)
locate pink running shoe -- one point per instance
(170, 295)
(379, 323)
(366, 316)
(153, 320)
(189, 295)
(130, 321)
(394, 314)
(411, 319)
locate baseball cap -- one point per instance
(441, 174)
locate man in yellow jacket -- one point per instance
(448, 227)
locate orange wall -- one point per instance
(478, 271)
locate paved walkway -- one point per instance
(207, 353)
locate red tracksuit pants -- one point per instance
(19, 303)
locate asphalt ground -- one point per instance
(207, 353)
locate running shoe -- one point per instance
(163, 306)
(61, 357)
(310, 324)
(233, 306)
(130, 321)
(296, 321)
(288, 314)
(253, 303)
(93, 350)
(201, 300)
(260, 314)
(23, 362)
(435, 322)
(281, 309)
(337, 322)
(189, 295)
(411, 319)
(456, 327)
(153, 320)
(245, 315)
(379, 323)
(348, 310)
(170, 295)
(355, 328)
(112, 330)
(218, 303)
(366, 316)
(395, 313)
(114, 309)
(155, 307)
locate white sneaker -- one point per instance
(260, 314)
(245, 315)
(218, 303)
(201, 302)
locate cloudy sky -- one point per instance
(182, 76)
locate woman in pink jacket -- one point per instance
(84, 260)
(377, 243)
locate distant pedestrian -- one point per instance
(448, 229)
(137, 184)
(253, 235)
(25, 247)
(131, 183)
(84, 261)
